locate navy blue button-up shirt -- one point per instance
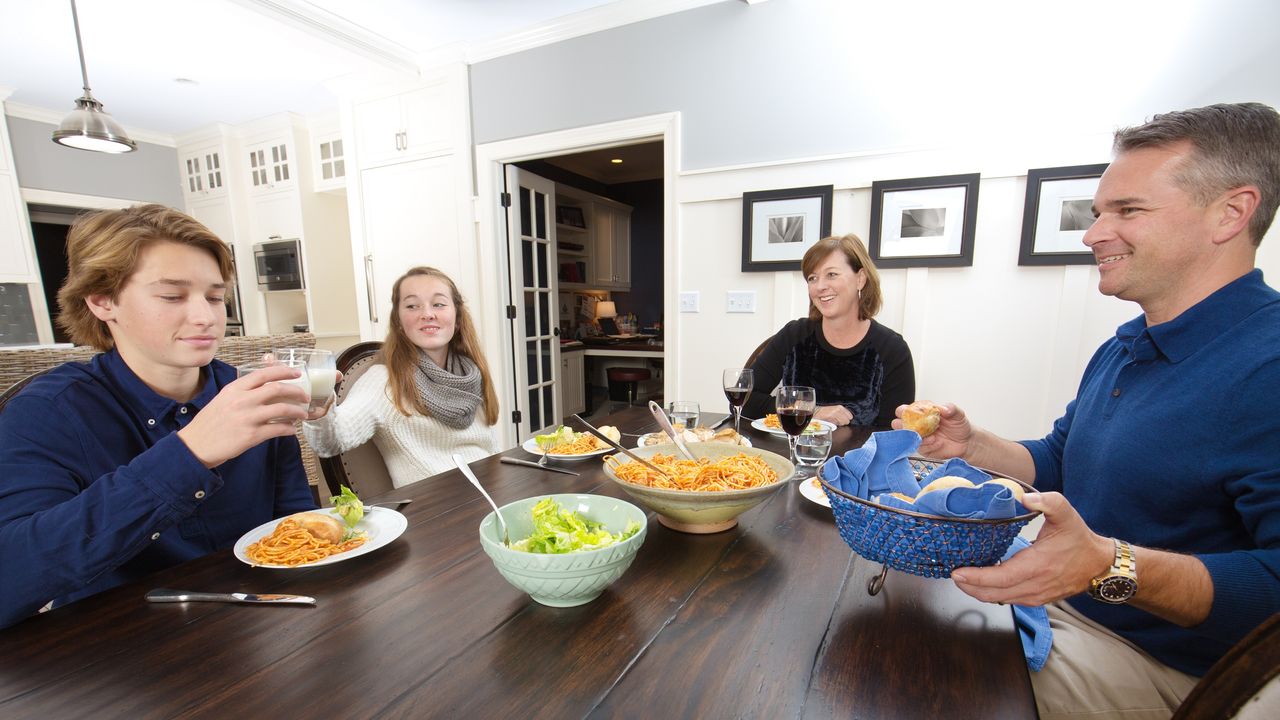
(97, 489)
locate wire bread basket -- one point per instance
(916, 543)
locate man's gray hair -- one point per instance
(1236, 144)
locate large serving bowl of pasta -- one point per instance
(706, 496)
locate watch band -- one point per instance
(1119, 584)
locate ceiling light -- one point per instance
(89, 127)
(616, 161)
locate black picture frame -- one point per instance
(1061, 186)
(778, 226)
(952, 241)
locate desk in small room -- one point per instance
(648, 355)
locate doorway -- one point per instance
(557, 150)
(49, 226)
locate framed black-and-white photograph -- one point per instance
(1057, 212)
(924, 222)
(778, 226)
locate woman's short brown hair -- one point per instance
(859, 259)
(103, 249)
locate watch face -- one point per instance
(1116, 589)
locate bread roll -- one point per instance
(903, 497)
(942, 483)
(1018, 490)
(324, 527)
(922, 416)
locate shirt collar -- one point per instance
(1200, 324)
(147, 402)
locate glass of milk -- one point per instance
(322, 371)
(301, 381)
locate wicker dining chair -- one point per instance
(362, 468)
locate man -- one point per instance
(152, 453)
(1160, 486)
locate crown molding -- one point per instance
(54, 117)
(324, 25)
(604, 17)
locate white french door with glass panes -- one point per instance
(536, 337)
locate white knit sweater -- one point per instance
(413, 447)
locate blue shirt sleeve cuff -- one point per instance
(174, 475)
(1244, 595)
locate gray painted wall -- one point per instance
(149, 174)
(790, 79)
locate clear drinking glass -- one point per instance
(322, 371)
(812, 448)
(737, 384)
(301, 381)
(796, 404)
(686, 412)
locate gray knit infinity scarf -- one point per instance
(451, 393)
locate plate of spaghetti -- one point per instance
(702, 496)
(770, 424)
(565, 444)
(285, 543)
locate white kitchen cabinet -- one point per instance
(203, 171)
(573, 395)
(610, 245)
(17, 248)
(271, 165)
(330, 162)
(405, 126)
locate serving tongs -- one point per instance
(594, 431)
(665, 423)
(466, 471)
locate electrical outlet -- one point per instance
(689, 302)
(740, 301)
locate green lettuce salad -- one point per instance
(557, 531)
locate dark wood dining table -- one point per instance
(771, 619)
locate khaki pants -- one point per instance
(1095, 674)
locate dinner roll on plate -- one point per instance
(324, 527)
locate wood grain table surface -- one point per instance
(770, 619)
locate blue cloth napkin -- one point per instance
(1032, 622)
(879, 466)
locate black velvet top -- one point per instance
(871, 378)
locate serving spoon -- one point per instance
(665, 424)
(466, 471)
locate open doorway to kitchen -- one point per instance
(556, 155)
(606, 252)
(49, 225)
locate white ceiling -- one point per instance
(239, 60)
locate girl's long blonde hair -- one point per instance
(401, 356)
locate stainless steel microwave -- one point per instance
(279, 264)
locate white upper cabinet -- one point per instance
(203, 171)
(17, 249)
(611, 245)
(271, 165)
(329, 161)
(406, 126)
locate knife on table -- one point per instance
(592, 429)
(529, 463)
(160, 595)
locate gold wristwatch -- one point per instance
(1119, 583)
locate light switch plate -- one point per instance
(740, 301)
(689, 302)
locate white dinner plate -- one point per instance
(759, 425)
(531, 446)
(811, 489)
(746, 441)
(381, 524)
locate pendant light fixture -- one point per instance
(89, 127)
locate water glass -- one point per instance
(812, 448)
(322, 371)
(301, 381)
(686, 412)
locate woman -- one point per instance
(429, 396)
(860, 369)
